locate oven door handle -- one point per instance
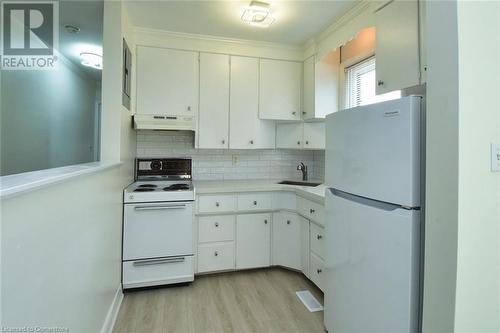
(158, 261)
(178, 206)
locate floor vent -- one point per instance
(310, 302)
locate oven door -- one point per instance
(154, 230)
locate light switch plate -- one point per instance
(495, 157)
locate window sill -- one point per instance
(13, 185)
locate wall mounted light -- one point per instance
(258, 14)
(91, 60)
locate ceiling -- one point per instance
(296, 21)
(88, 16)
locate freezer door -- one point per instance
(372, 266)
(374, 151)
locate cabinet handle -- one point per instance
(319, 270)
(189, 108)
(216, 253)
(223, 141)
(265, 221)
(216, 224)
(251, 142)
(307, 142)
(288, 222)
(298, 142)
(319, 237)
(294, 113)
(303, 112)
(311, 210)
(255, 203)
(380, 83)
(216, 204)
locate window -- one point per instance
(360, 85)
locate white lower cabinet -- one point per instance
(287, 233)
(215, 256)
(253, 240)
(316, 271)
(317, 234)
(305, 251)
(287, 240)
(215, 228)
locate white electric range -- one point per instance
(158, 227)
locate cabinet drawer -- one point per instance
(215, 228)
(312, 210)
(254, 201)
(318, 240)
(153, 272)
(216, 203)
(316, 273)
(215, 257)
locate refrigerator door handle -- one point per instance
(365, 201)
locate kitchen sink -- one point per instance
(290, 182)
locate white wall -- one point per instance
(61, 244)
(477, 306)
(462, 251)
(442, 168)
(54, 113)
(61, 253)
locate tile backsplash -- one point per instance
(225, 164)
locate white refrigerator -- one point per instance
(373, 178)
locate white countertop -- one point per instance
(260, 185)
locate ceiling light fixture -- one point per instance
(258, 14)
(91, 60)
(72, 29)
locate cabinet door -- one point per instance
(280, 90)
(397, 54)
(308, 111)
(314, 135)
(167, 81)
(289, 135)
(304, 245)
(213, 129)
(287, 240)
(247, 131)
(253, 240)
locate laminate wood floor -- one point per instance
(261, 300)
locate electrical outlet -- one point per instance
(235, 159)
(495, 157)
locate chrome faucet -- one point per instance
(302, 167)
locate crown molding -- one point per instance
(343, 20)
(217, 39)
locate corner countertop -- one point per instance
(261, 185)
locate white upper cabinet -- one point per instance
(280, 90)
(321, 85)
(314, 135)
(397, 53)
(289, 135)
(167, 81)
(300, 135)
(247, 131)
(214, 101)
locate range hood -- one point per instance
(164, 122)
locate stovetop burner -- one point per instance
(148, 186)
(144, 189)
(176, 187)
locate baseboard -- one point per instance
(109, 322)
